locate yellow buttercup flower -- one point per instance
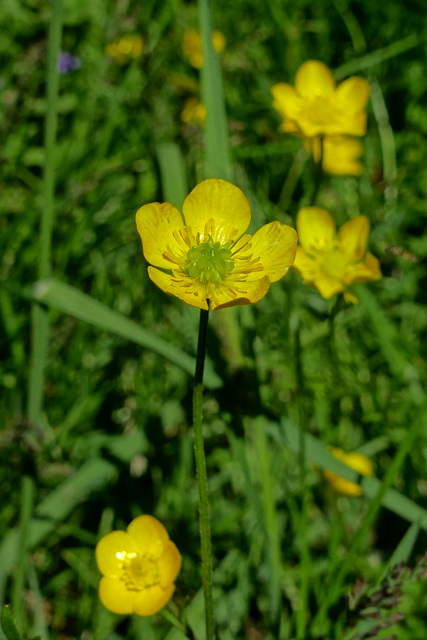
(126, 48)
(193, 111)
(214, 263)
(139, 568)
(331, 260)
(317, 107)
(356, 461)
(192, 46)
(341, 154)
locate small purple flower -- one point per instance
(67, 62)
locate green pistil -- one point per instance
(209, 262)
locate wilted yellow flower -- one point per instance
(213, 262)
(139, 567)
(317, 107)
(356, 461)
(340, 154)
(332, 261)
(125, 48)
(193, 111)
(192, 46)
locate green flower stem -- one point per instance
(318, 173)
(204, 516)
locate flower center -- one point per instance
(335, 263)
(319, 110)
(139, 572)
(209, 262)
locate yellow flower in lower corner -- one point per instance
(192, 46)
(329, 260)
(356, 461)
(341, 154)
(317, 107)
(214, 263)
(139, 568)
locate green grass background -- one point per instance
(113, 438)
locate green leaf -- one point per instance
(57, 506)
(173, 175)
(319, 455)
(402, 551)
(70, 300)
(217, 152)
(176, 634)
(8, 625)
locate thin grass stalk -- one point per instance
(18, 585)
(302, 613)
(39, 317)
(271, 528)
(318, 171)
(335, 587)
(202, 481)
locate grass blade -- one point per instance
(70, 300)
(319, 455)
(57, 506)
(173, 174)
(40, 318)
(401, 553)
(217, 153)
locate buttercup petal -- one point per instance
(149, 535)
(305, 266)
(350, 124)
(111, 550)
(115, 597)
(240, 293)
(342, 485)
(286, 101)
(275, 245)
(156, 225)
(328, 286)
(182, 288)
(352, 95)
(220, 202)
(316, 229)
(169, 564)
(149, 601)
(365, 271)
(314, 78)
(356, 461)
(340, 155)
(289, 126)
(353, 236)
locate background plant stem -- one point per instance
(204, 515)
(39, 315)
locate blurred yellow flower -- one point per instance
(340, 154)
(356, 461)
(317, 107)
(193, 111)
(332, 261)
(125, 48)
(139, 568)
(192, 46)
(214, 263)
